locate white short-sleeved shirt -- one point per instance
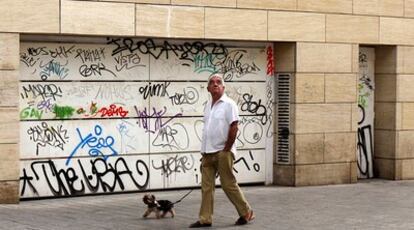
(217, 121)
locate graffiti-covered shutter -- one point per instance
(126, 115)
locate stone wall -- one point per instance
(9, 126)
(323, 35)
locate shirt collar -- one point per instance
(223, 97)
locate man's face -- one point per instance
(215, 86)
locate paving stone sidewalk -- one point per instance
(371, 204)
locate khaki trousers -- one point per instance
(221, 162)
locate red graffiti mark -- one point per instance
(113, 110)
(270, 61)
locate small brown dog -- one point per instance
(160, 207)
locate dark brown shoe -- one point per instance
(245, 219)
(199, 225)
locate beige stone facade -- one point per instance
(315, 40)
(9, 122)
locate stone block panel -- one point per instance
(405, 144)
(318, 118)
(379, 7)
(385, 169)
(97, 18)
(398, 116)
(170, 21)
(323, 174)
(385, 144)
(235, 24)
(286, 56)
(337, 6)
(340, 88)
(409, 8)
(385, 87)
(396, 31)
(9, 125)
(290, 26)
(152, 20)
(354, 172)
(407, 169)
(355, 117)
(9, 51)
(9, 192)
(268, 4)
(140, 1)
(386, 60)
(355, 58)
(10, 162)
(29, 16)
(324, 57)
(407, 116)
(214, 3)
(405, 88)
(284, 175)
(385, 115)
(340, 147)
(180, 26)
(309, 88)
(9, 84)
(347, 28)
(309, 148)
(406, 54)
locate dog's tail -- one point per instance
(182, 198)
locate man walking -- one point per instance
(218, 151)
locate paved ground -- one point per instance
(375, 204)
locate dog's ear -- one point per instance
(145, 199)
(153, 197)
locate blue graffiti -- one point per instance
(123, 129)
(53, 67)
(95, 145)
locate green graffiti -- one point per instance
(363, 100)
(363, 95)
(29, 112)
(204, 63)
(63, 111)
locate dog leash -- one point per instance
(182, 198)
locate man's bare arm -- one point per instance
(231, 137)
